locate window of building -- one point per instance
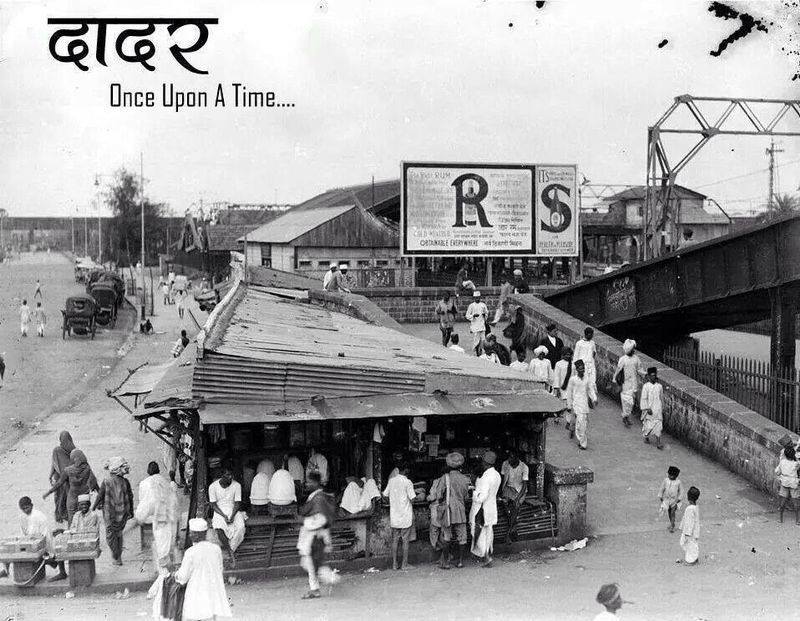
(306, 264)
(381, 263)
(363, 263)
(266, 262)
(639, 209)
(323, 264)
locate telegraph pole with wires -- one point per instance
(771, 153)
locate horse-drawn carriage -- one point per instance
(79, 316)
(106, 300)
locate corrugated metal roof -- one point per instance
(383, 406)
(295, 223)
(266, 349)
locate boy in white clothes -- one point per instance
(540, 366)
(650, 404)
(586, 350)
(690, 528)
(477, 314)
(454, 344)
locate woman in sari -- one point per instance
(115, 498)
(59, 463)
(79, 479)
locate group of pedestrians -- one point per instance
(33, 315)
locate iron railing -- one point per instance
(773, 393)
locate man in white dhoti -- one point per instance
(650, 404)
(158, 505)
(477, 314)
(690, 528)
(225, 496)
(581, 397)
(201, 572)
(627, 377)
(484, 500)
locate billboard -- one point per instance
(451, 209)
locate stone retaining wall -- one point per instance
(415, 305)
(722, 429)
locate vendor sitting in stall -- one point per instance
(282, 494)
(359, 496)
(225, 496)
(513, 489)
(85, 521)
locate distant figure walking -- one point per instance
(627, 377)
(446, 311)
(2, 368)
(650, 404)
(181, 304)
(41, 319)
(24, 317)
(38, 290)
(670, 495)
(60, 461)
(581, 397)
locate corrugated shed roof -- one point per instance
(408, 404)
(267, 350)
(295, 223)
(226, 236)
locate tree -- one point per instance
(122, 197)
(786, 203)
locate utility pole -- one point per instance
(85, 233)
(141, 205)
(771, 152)
(72, 226)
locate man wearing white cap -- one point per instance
(627, 377)
(540, 366)
(337, 282)
(84, 520)
(520, 286)
(201, 572)
(329, 274)
(347, 278)
(477, 313)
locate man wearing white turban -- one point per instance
(627, 377)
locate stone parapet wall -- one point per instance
(729, 433)
(415, 305)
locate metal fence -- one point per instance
(774, 394)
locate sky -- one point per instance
(377, 82)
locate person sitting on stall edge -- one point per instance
(314, 540)
(33, 523)
(225, 496)
(400, 492)
(514, 488)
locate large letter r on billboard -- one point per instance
(470, 198)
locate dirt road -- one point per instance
(45, 375)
